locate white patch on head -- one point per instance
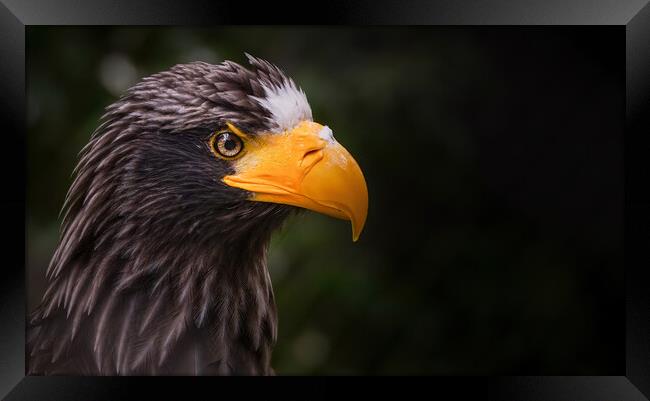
(327, 134)
(338, 156)
(287, 105)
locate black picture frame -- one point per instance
(633, 16)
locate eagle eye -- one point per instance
(226, 144)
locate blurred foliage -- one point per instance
(492, 245)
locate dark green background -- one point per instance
(493, 158)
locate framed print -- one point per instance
(452, 193)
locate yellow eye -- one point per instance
(226, 144)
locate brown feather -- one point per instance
(160, 268)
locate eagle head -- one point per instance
(204, 139)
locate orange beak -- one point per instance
(303, 167)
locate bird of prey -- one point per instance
(161, 267)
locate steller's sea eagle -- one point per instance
(161, 264)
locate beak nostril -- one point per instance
(311, 157)
(311, 152)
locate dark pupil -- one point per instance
(230, 144)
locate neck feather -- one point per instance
(159, 299)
